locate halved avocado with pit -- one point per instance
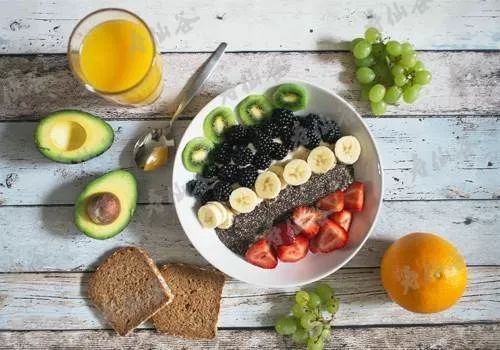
(72, 136)
(106, 206)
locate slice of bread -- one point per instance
(128, 289)
(194, 311)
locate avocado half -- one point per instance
(123, 185)
(72, 136)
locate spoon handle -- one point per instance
(196, 81)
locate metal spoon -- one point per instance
(151, 150)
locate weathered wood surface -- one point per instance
(45, 239)
(431, 158)
(463, 83)
(199, 25)
(469, 336)
(58, 301)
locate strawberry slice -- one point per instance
(313, 246)
(354, 196)
(343, 218)
(294, 252)
(330, 237)
(261, 254)
(308, 219)
(332, 203)
(283, 233)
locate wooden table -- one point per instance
(441, 161)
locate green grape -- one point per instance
(286, 325)
(372, 35)
(378, 108)
(397, 69)
(418, 66)
(365, 75)
(302, 297)
(314, 300)
(315, 344)
(406, 47)
(362, 49)
(364, 62)
(422, 77)
(393, 48)
(324, 291)
(325, 334)
(298, 310)
(411, 93)
(378, 50)
(354, 42)
(300, 336)
(308, 321)
(408, 59)
(333, 305)
(400, 79)
(393, 94)
(316, 331)
(376, 93)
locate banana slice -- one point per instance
(300, 153)
(243, 200)
(229, 220)
(278, 170)
(348, 149)
(210, 216)
(268, 185)
(321, 159)
(297, 172)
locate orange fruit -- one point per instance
(423, 273)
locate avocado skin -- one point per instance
(63, 157)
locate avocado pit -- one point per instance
(103, 208)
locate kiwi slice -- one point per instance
(254, 109)
(196, 154)
(293, 97)
(217, 121)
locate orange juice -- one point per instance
(116, 57)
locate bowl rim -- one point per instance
(266, 85)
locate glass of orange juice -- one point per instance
(113, 53)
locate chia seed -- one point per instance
(248, 227)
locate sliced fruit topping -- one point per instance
(332, 203)
(243, 200)
(343, 218)
(296, 172)
(217, 121)
(294, 252)
(211, 215)
(348, 149)
(290, 96)
(261, 254)
(195, 154)
(228, 222)
(268, 185)
(330, 237)
(321, 159)
(278, 170)
(283, 233)
(308, 219)
(354, 196)
(254, 109)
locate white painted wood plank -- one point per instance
(464, 83)
(59, 301)
(45, 238)
(450, 337)
(431, 158)
(199, 25)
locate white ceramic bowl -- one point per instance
(313, 267)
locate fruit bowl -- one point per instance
(367, 169)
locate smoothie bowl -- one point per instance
(278, 184)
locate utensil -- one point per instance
(151, 150)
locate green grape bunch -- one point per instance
(387, 71)
(309, 322)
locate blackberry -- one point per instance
(247, 176)
(237, 135)
(262, 142)
(282, 112)
(197, 188)
(330, 131)
(228, 173)
(311, 121)
(312, 139)
(278, 151)
(210, 170)
(242, 155)
(221, 191)
(291, 143)
(283, 118)
(222, 153)
(286, 132)
(208, 196)
(273, 130)
(261, 160)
